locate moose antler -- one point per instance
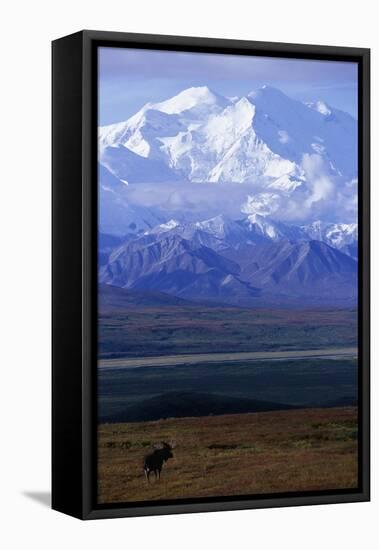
(164, 444)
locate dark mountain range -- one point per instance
(107, 243)
(293, 264)
(308, 271)
(176, 266)
(351, 250)
(205, 266)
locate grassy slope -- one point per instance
(310, 449)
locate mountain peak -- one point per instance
(216, 225)
(264, 226)
(164, 227)
(338, 235)
(198, 91)
(265, 91)
(190, 98)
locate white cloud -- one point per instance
(283, 136)
(321, 189)
(319, 195)
(320, 184)
(263, 204)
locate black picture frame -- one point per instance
(74, 294)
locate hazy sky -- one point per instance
(129, 78)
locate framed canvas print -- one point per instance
(210, 274)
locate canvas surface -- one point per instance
(227, 275)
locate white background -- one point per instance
(27, 29)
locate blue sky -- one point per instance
(129, 78)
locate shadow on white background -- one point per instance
(41, 497)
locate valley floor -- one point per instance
(132, 331)
(194, 359)
(271, 452)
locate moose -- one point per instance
(154, 461)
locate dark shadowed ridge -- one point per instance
(190, 404)
(113, 297)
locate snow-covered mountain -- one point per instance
(244, 200)
(218, 232)
(201, 136)
(221, 232)
(343, 236)
(292, 160)
(262, 227)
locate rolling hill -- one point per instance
(190, 404)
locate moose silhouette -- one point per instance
(154, 461)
